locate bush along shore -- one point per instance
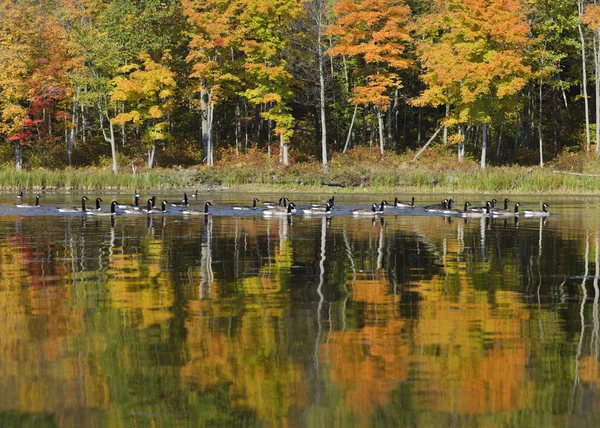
(437, 171)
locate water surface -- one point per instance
(244, 320)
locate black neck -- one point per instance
(206, 205)
(37, 201)
(83, 204)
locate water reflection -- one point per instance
(303, 321)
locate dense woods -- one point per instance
(140, 83)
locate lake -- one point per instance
(240, 320)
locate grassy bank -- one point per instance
(436, 171)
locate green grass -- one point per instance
(435, 172)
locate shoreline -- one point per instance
(373, 179)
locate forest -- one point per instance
(128, 84)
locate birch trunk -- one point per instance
(483, 146)
(580, 9)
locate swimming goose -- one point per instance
(534, 213)
(246, 207)
(75, 209)
(372, 211)
(476, 212)
(331, 202)
(501, 211)
(437, 207)
(98, 208)
(317, 210)
(191, 211)
(135, 206)
(195, 194)
(37, 203)
(20, 195)
(183, 203)
(507, 213)
(277, 210)
(282, 202)
(146, 210)
(113, 210)
(399, 204)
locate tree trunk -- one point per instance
(580, 9)
(322, 93)
(445, 126)
(380, 122)
(483, 146)
(284, 150)
(18, 156)
(204, 138)
(350, 129)
(500, 136)
(151, 152)
(597, 63)
(110, 138)
(540, 128)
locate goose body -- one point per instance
(477, 212)
(134, 206)
(398, 204)
(147, 210)
(534, 213)
(506, 213)
(20, 195)
(330, 202)
(374, 210)
(318, 210)
(83, 208)
(113, 210)
(37, 203)
(437, 207)
(282, 202)
(184, 203)
(189, 211)
(278, 210)
(246, 207)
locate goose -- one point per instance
(282, 203)
(245, 207)
(195, 194)
(75, 209)
(507, 213)
(189, 211)
(459, 212)
(37, 203)
(399, 204)
(147, 210)
(20, 195)
(331, 202)
(184, 203)
(163, 206)
(473, 213)
(501, 211)
(278, 210)
(113, 210)
(135, 206)
(98, 200)
(437, 207)
(534, 213)
(317, 210)
(370, 212)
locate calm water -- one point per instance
(242, 320)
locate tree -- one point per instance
(377, 33)
(213, 47)
(473, 55)
(264, 40)
(148, 91)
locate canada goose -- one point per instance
(502, 211)
(476, 212)
(20, 195)
(113, 210)
(507, 213)
(282, 202)
(330, 202)
(147, 210)
(399, 204)
(195, 194)
(374, 210)
(246, 207)
(278, 210)
(135, 206)
(184, 203)
(437, 207)
(98, 200)
(189, 211)
(37, 203)
(75, 209)
(316, 210)
(533, 213)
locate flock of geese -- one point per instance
(284, 207)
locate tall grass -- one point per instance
(359, 169)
